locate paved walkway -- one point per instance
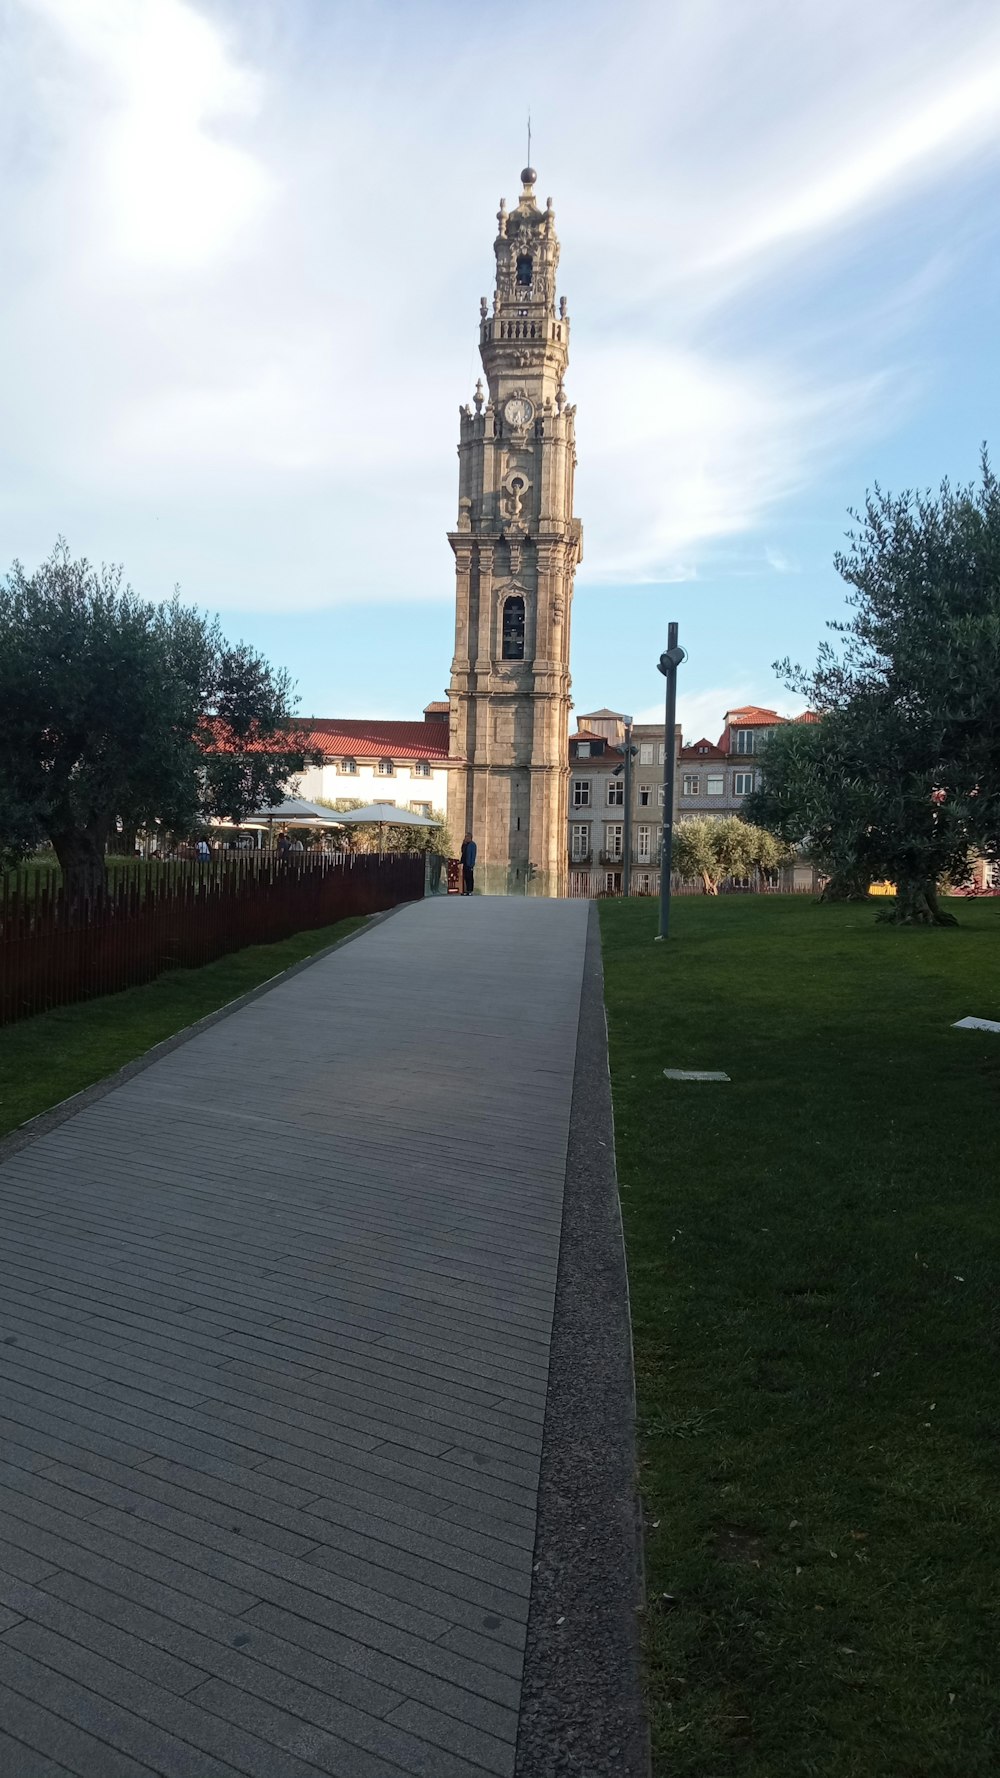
(275, 1319)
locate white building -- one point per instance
(401, 763)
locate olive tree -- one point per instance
(115, 709)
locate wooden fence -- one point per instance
(179, 915)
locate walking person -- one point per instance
(468, 857)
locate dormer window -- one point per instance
(348, 766)
(524, 269)
(386, 768)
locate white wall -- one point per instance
(368, 785)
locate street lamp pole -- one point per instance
(668, 664)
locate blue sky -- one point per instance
(244, 248)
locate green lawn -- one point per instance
(45, 1059)
(813, 1259)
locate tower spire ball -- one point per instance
(528, 174)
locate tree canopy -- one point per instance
(714, 849)
(901, 777)
(116, 709)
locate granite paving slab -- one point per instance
(275, 1319)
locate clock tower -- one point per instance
(516, 547)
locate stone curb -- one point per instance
(44, 1121)
(582, 1713)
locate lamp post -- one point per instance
(668, 664)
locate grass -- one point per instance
(45, 1059)
(813, 1261)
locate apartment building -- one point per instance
(597, 811)
(714, 777)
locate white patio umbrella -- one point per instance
(294, 811)
(384, 815)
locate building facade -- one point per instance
(597, 804)
(403, 764)
(516, 545)
(716, 776)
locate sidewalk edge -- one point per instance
(582, 1713)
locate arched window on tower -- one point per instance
(524, 268)
(513, 629)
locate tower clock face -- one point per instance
(518, 411)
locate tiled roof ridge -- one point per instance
(751, 714)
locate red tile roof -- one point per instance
(438, 708)
(703, 749)
(808, 716)
(341, 738)
(753, 716)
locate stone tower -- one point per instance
(516, 547)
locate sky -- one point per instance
(244, 243)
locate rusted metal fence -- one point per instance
(158, 916)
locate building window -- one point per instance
(646, 883)
(583, 750)
(347, 767)
(743, 740)
(581, 793)
(421, 808)
(579, 840)
(742, 783)
(644, 841)
(645, 795)
(663, 753)
(715, 784)
(524, 270)
(645, 753)
(612, 882)
(616, 793)
(513, 628)
(613, 845)
(386, 769)
(691, 783)
(422, 769)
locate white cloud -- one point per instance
(677, 450)
(161, 185)
(246, 243)
(780, 561)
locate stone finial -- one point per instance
(562, 308)
(483, 308)
(502, 216)
(560, 399)
(478, 397)
(528, 177)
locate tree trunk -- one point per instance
(711, 887)
(843, 886)
(81, 857)
(916, 904)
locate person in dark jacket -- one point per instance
(468, 857)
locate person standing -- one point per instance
(468, 857)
